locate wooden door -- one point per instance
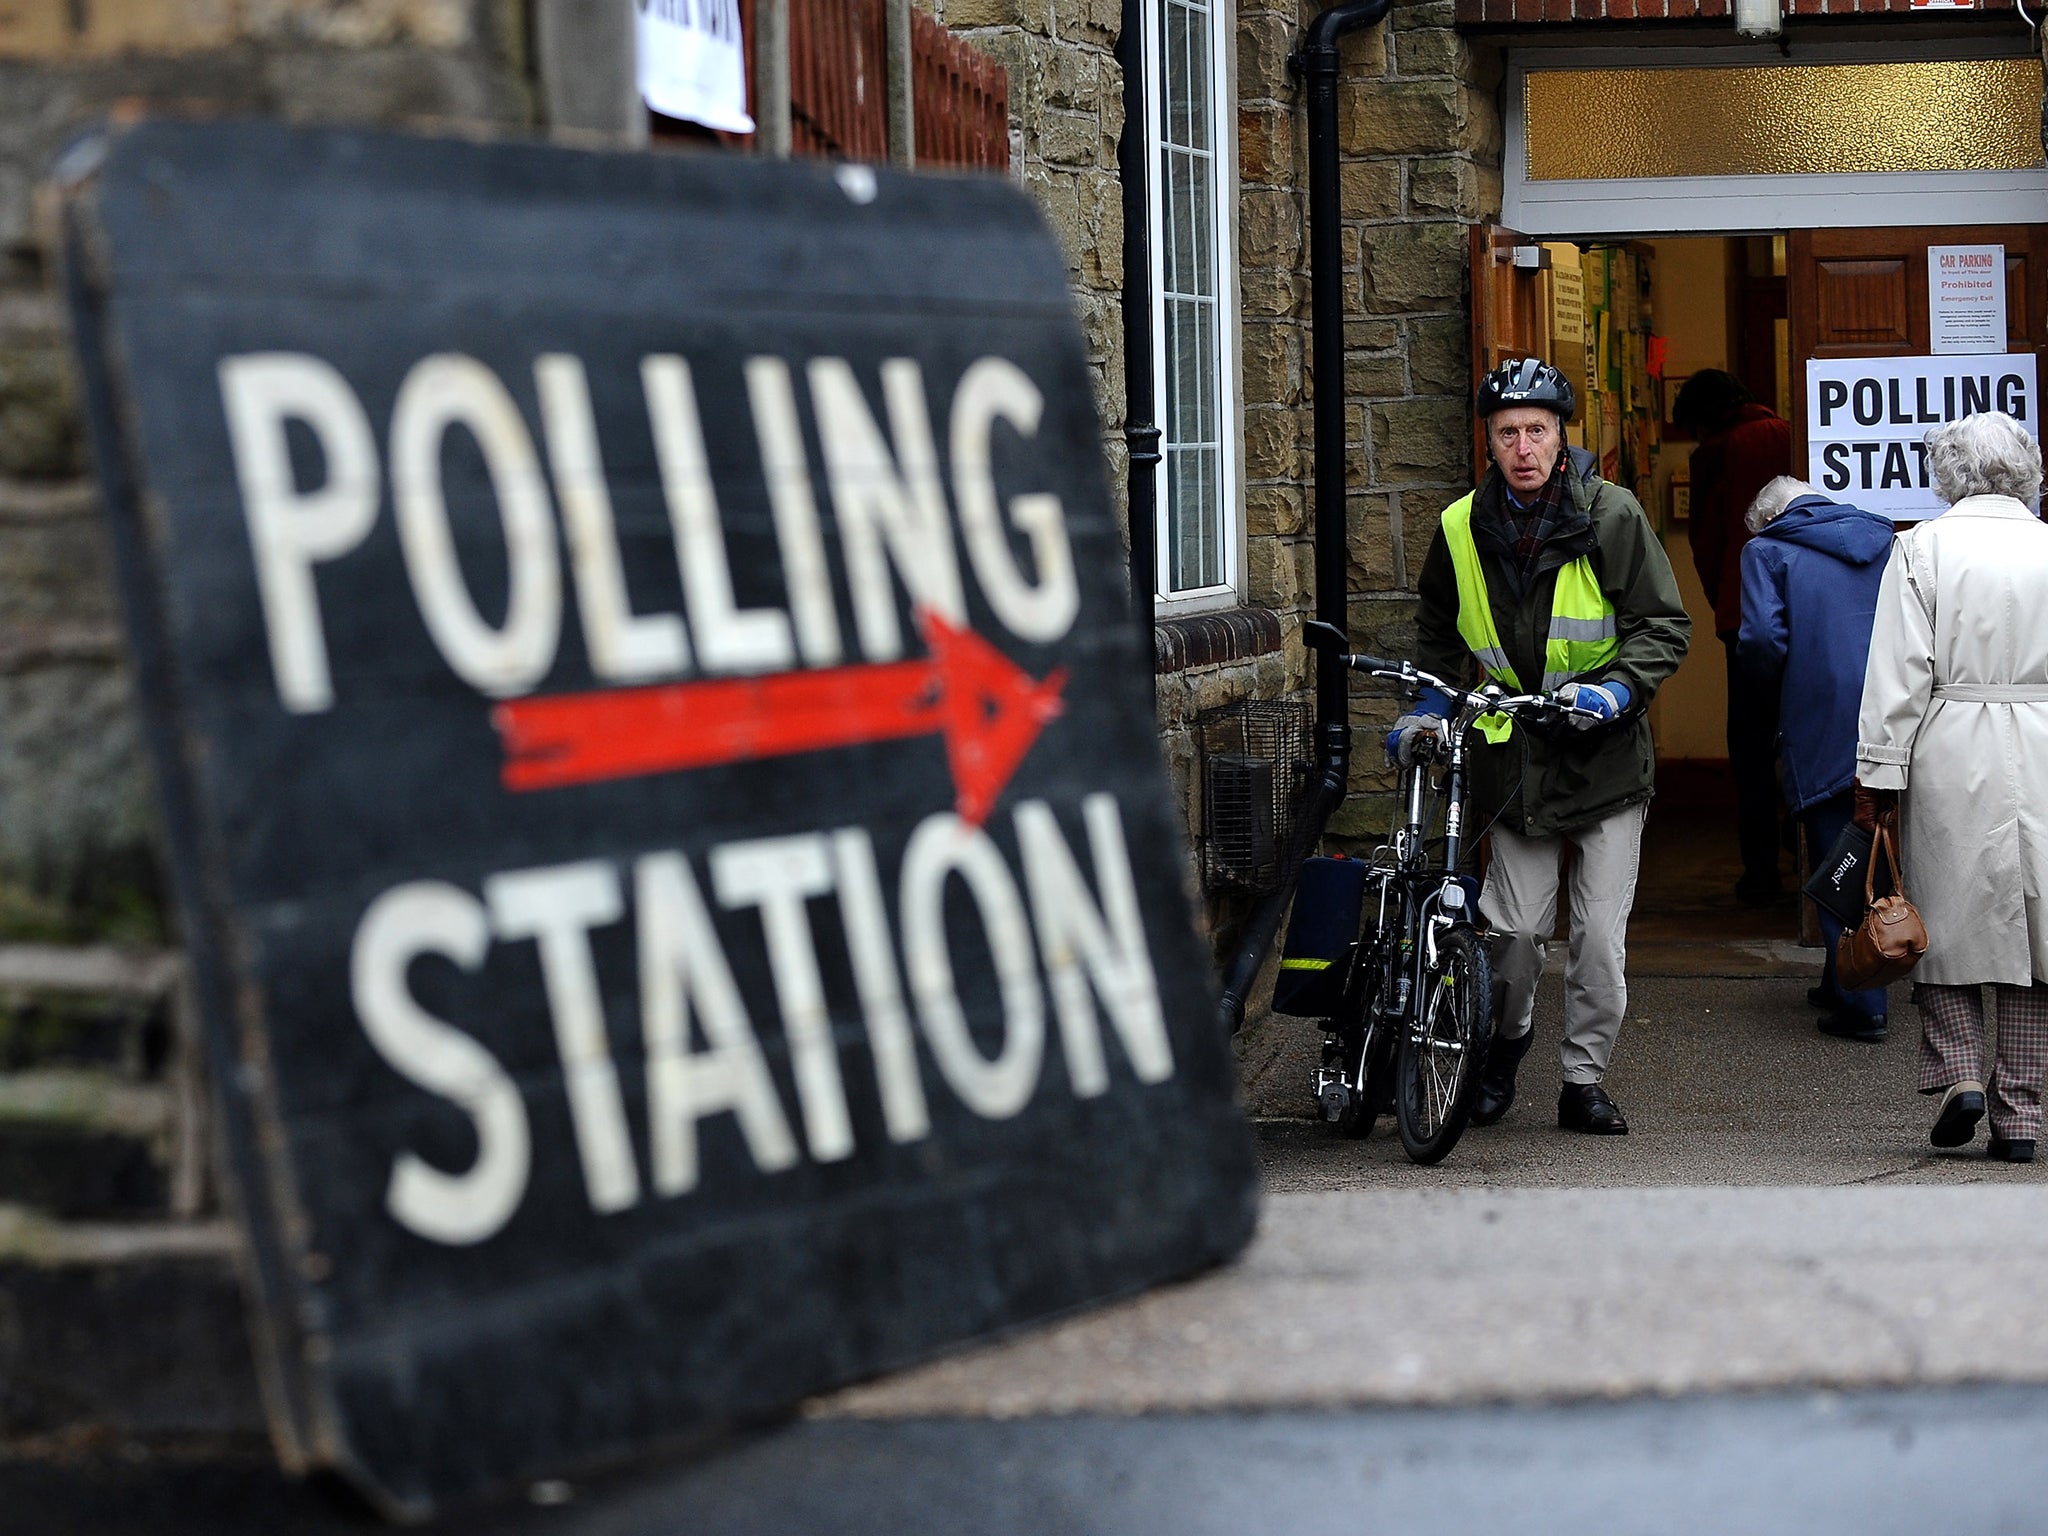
(1863, 293)
(1510, 313)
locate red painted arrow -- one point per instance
(989, 710)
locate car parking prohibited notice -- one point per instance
(662, 782)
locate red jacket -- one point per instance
(1728, 469)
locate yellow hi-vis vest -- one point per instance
(1582, 635)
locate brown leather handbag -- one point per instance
(1890, 940)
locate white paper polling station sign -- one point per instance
(1867, 417)
(663, 786)
(690, 57)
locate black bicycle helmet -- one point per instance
(1526, 381)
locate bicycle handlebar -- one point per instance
(1488, 697)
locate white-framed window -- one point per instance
(1199, 511)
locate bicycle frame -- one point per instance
(1418, 899)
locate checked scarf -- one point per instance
(1530, 527)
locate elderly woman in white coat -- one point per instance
(1953, 742)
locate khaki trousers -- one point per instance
(1520, 904)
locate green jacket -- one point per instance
(1543, 783)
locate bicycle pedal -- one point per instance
(1334, 1098)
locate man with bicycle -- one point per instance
(1548, 576)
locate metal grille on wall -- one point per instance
(1257, 767)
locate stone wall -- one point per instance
(1420, 139)
(1420, 135)
(1066, 113)
(77, 816)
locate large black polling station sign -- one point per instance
(662, 780)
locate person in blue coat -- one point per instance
(1809, 593)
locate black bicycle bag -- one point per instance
(1321, 932)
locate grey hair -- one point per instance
(1988, 454)
(1774, 498)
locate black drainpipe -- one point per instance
(1317, 61)
(1141, 431)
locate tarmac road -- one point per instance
(1906, 1463)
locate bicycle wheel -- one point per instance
(1442, 1047)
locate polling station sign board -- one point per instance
(1867, 420)
(662, 779)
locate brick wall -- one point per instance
(76, 811)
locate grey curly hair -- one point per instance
(1988, 454)
(1774, 498)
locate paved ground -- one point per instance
(1723, 1081)
(1723, 1076)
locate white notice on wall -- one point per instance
(1966, 298)
(1866, 418)
(1567, 303)
(692, 62)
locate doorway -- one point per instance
(1629, 320)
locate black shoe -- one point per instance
(1824, 998)
(1495, 1090)
(1961, 1108)
(1844, 1025)
(1586, 1107)
(1999, 1150)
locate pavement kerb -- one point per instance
(1407, 1298)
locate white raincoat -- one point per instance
(1955, 713)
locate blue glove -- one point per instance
(1421, 721)
(1604, 701)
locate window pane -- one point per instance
(1184, 377)
(1197, 546)
(1183, 235)
(1195, 532)
(1178, 85)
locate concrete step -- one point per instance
(96, 1005)
(128, 1328)
(80, 1143)
(102, 1107)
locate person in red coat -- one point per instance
(1743, 446)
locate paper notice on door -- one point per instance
(1567, 304)
(1867, 420)
(692, 62)
(1966, 298)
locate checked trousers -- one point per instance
(1952, 1050)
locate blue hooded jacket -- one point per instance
(1809, 591)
